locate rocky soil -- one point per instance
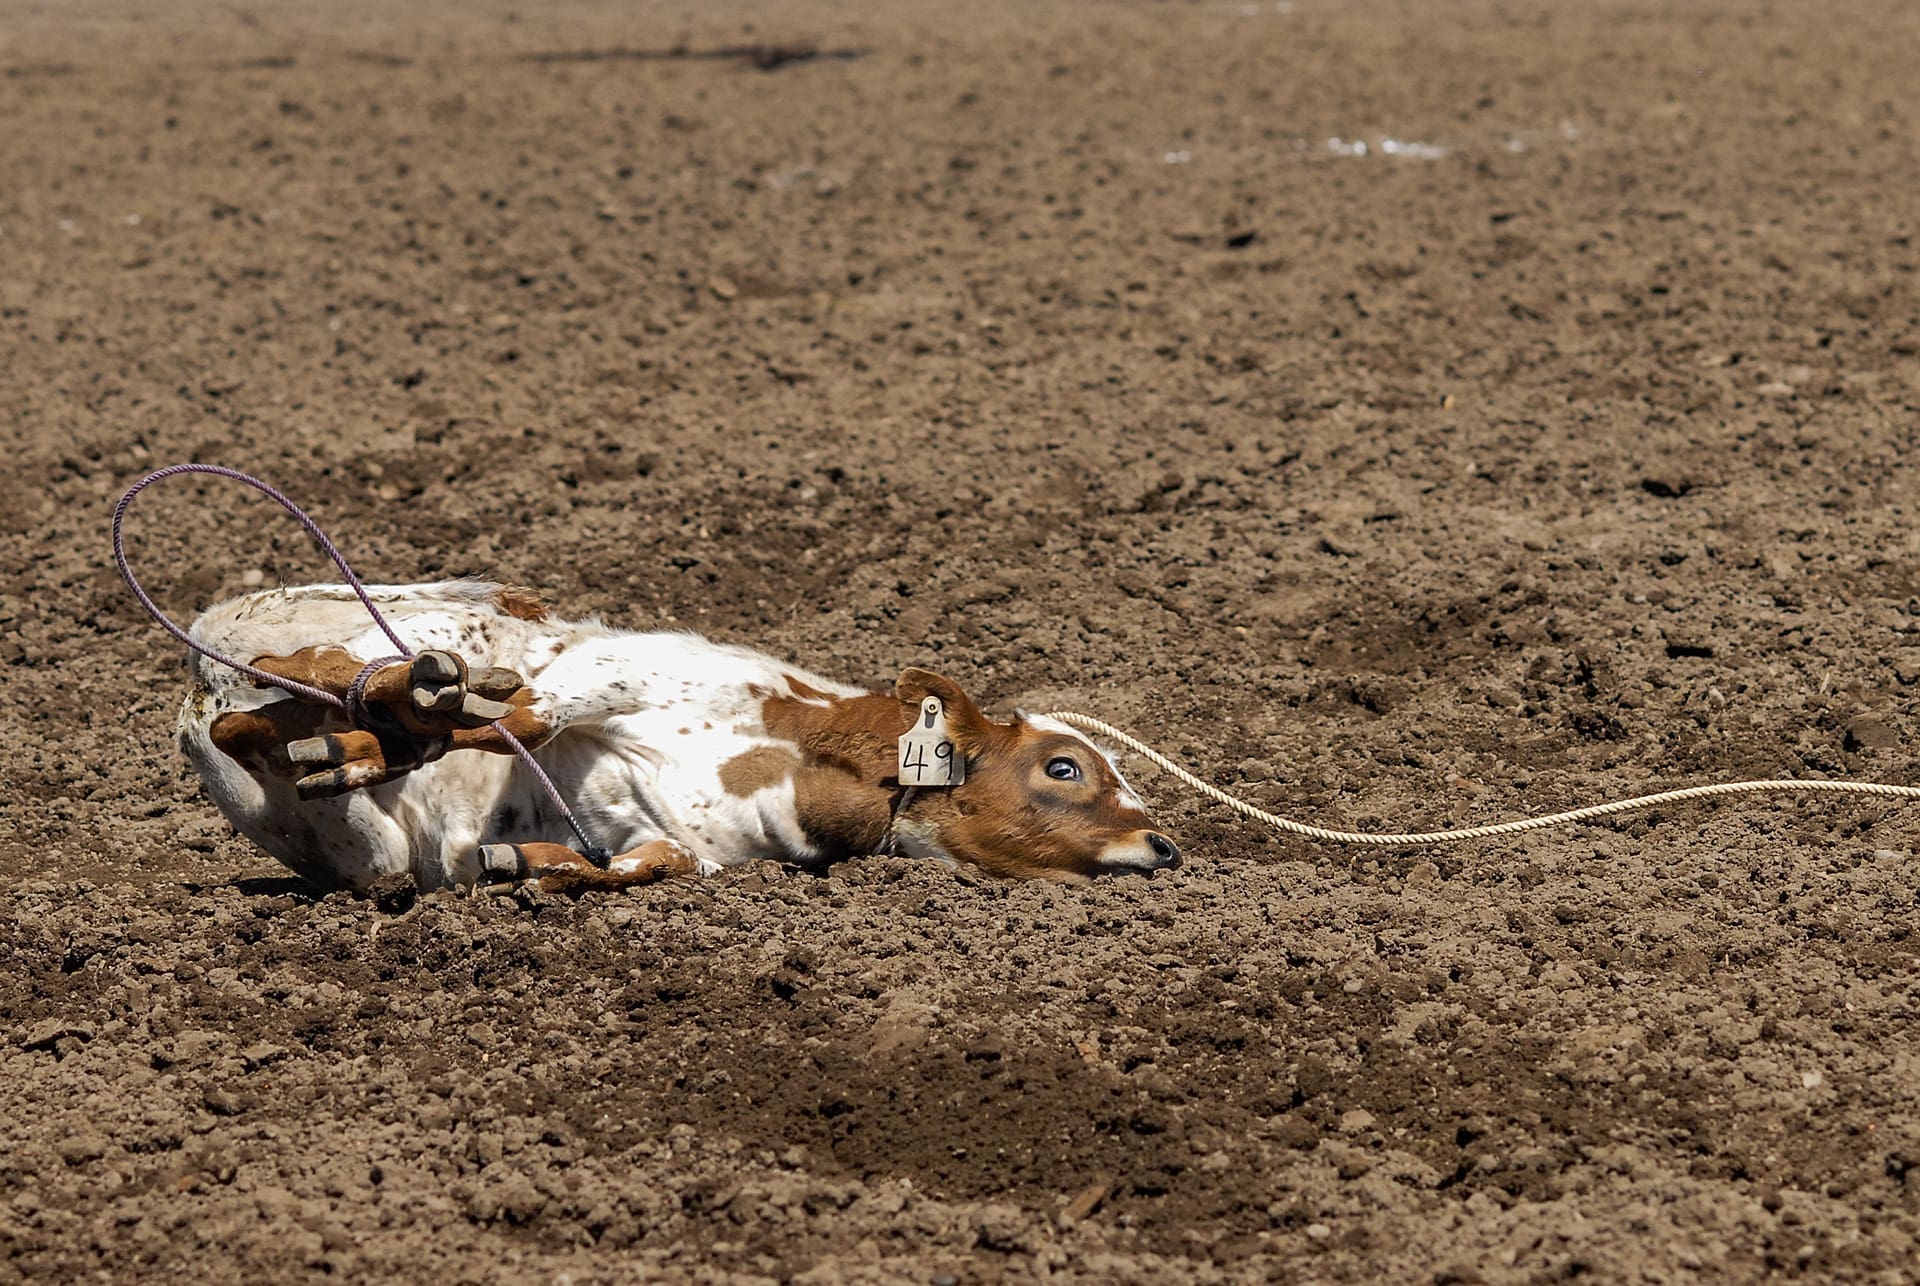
(1408, 416)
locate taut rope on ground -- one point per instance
(1087, 723)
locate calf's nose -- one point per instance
(1166, 853)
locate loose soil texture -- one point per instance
(1408, 415)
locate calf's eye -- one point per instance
(1063, 769)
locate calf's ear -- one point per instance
(969, 727)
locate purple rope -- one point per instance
(313, 529)
(594, 853)
(355, 701)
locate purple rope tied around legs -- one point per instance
(355, 701)
(353, 706)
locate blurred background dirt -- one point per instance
(1409, 415)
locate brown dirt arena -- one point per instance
(1560, 445)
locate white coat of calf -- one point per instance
(730, 751)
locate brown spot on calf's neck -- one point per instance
(843, 794)
(860, 734)
(521, 603)
(757, 769)
(842, 816)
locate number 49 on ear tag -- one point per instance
(928, 756)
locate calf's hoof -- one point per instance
(502, 862)
(442, 692)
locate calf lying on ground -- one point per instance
(678, 754)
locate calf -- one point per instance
(678, 754)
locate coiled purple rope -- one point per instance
(594, 853)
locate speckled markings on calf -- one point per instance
(676, 752)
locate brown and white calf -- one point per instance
(676, 753)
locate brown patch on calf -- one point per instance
(843, 790)
(857, 735)
(329, 667)
(521, 603)
(757, 769)
(1009, 818)
(804, 690)
(257, 739)
(838, 815)
(527, 727)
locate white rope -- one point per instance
(1087, 723)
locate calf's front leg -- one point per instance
(338, 762)
(429, 694)
(295, 740)
(428, 721)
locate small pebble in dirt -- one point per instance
(1293, 1132)
(222, 1101)
(44, 1035)
(1358, 1121)
(1085, 1202)
(82, 1147)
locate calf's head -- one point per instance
(1039, 800)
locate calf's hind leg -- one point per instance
(558, 869)
(432, 694)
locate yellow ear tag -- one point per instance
(928, 756)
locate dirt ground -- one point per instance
(1408, 415)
